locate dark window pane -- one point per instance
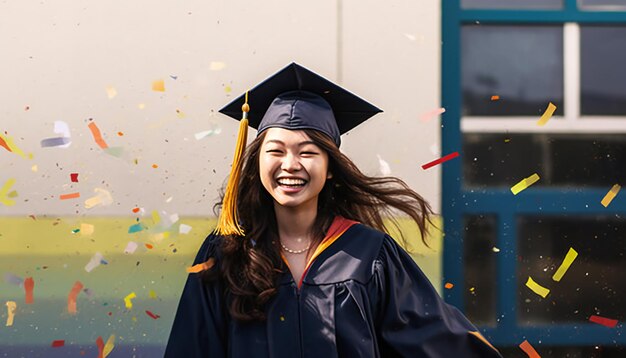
(579, 160)
(521, 64)
(603, 79)
(480, 269)
(512, 4)
(602, 5)
(594, 284)
(566, 352)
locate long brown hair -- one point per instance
(250, 266)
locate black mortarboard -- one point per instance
(297, 98)
(293, 98)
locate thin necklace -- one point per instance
(295, 251)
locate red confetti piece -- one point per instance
(152, 315)
(528, 349)
(136, 210)
(69, 196)
(74, 177)
(58, 343)
(608, 322)
(440, 160)
(97, 136)
(71, 298)
(29, 286)
(100, 344)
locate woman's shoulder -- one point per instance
(210, 248)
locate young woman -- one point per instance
(301, 265)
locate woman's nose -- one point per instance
(291, 162)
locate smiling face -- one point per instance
(293, 168)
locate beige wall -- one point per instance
(59, 57)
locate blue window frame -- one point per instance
(459, 201)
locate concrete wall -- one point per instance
(59, 58)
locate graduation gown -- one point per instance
(361, 295)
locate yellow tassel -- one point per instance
(228, 222)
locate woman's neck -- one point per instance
(295, 223)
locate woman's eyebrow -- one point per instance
(282, 143)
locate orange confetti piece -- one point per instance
(528, 349)
(121, 134)
(149, 246)
(495, 98)
(155, 166)
(100, 344)
(448, 285)
(158, 85)
(69, 196)
(71, 298)
(97, 136)
(4, 144)
(201, 267)
(29, 286)
(610, 195)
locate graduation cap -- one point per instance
(293, 98)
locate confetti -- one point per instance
(207, 133)
(121, 134)
(135, 228)
(55, 142)
(448, 285)
(180, 113)
(97, 136)
(567, 261)
(201, 267)
(383, 166)
(227, 89)
(154, 166)
(95, 261)
(217, 65)
(100, 345)
(495, 98)
(184, 229)
(11, 307)
(127, 300)
(610, 195)
(13, 279)
(495, 249)
(4, 190)
(34, 168)
(524, 183)
(158, 85)
(152, 294)
(432, 114)
(69, 196)
(130, 247)
(8, 144)
(111, 92)
(74, 177)
(71, 298)
(136, 210)
(86, 229)
(155, 217)
(536, 288)
(108, 347)
(149, 246)
(174, 218)
(152, 315)
(440, 160)
(58, 343)
(528, 349)
(29, 287)
(546, 115)
(608, 322)
(103, 197)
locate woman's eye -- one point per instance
(309, 153)
(273, 151)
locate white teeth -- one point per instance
(288, 181)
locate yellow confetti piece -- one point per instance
(127, 300)
(86, 229)
(227, 89)
(158, 85)
(180, 113)
(155, 217)
(610, 195)
(152, 294)
(8, 141)
(34, 168)
(111, 92)
(567, 261)
(201, 267)
(524, 183)
(537, 288)
(108, 347)
(546, 115)
(12, 194)
(217, 65)
(11, 307)
(4, 199)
